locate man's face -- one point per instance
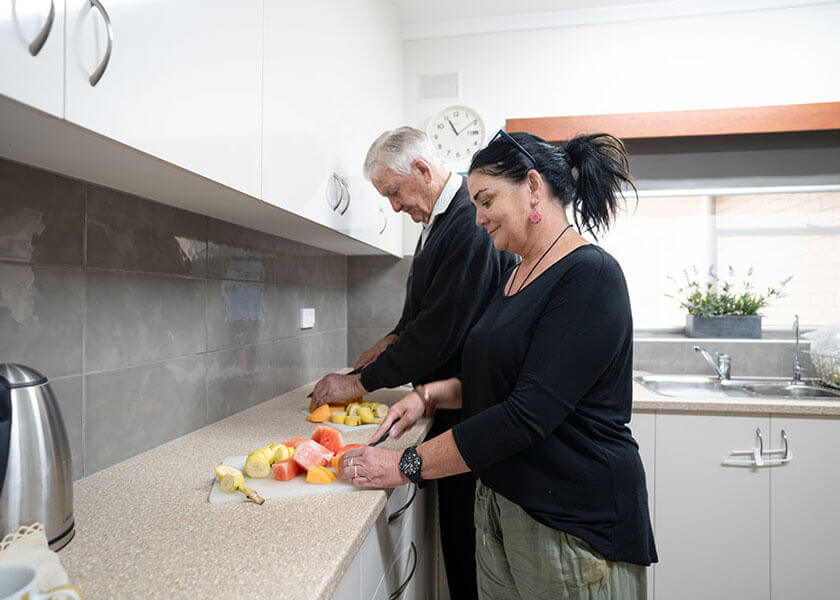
(406, 193)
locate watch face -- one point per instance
(457, 133)
(410, 463)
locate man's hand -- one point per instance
(368, 467)
(372, 353)
(335, 388)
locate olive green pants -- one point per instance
(518, 558)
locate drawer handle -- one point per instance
(405, 583)
(41, 39)
(401, 511)
(100, 70)
(384, 222)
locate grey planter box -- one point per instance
(723, 326)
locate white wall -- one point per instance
(755, 58)
(768, 57)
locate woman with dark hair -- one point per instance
(561, 508)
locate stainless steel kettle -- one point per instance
(36, 474)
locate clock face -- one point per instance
(457, 133)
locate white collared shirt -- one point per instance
(453, 184)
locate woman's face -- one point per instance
(502, 207)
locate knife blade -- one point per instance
(383, 438)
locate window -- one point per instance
(776, 234)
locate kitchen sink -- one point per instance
(699, 386)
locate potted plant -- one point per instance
(722, 307)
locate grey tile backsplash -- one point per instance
(375, 296)
(152, 321)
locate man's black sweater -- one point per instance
(451, 281)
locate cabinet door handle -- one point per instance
(346, 188)
(335, 185)
(41, 38)
(405, 583)
(401, 511)
(384, 221)
(100, 69)
(759, 457)
(755, 453)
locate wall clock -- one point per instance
(457, 133)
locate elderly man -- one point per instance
(454, 273)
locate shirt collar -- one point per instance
(453, 184)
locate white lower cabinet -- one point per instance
(390, 563)
(738, 530)
(712, 530)
(804, 506)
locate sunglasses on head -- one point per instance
(501, 134)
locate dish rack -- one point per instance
(827, 367)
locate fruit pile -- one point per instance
(356, 412)
(316, 457)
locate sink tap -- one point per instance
(723, 365)
(797, 368)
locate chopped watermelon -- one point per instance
(285, 470)
(292, 443)
(328, 437)
(310, 452)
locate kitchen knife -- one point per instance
(353, 372)
(383, 438)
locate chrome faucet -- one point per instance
(723, 365)
(797, 368)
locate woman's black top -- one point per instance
(547, 393)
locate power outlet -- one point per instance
(307, 318)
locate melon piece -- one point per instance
(311, 453)
(328, 437)
(286, 470)
(292, 443)
(320, 414)
(318, 474)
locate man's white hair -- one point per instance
(397, 149)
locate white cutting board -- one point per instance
(269, 488)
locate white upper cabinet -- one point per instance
(178, 80)
(332, 82)
(31, 53)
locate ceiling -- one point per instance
(432, 11)
(439, 18)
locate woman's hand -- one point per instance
(368, 467)
(401, 417)
(372, 353)
(335, 388)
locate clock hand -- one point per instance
(466, 127)
(453, 127)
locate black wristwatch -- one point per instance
(411, 464)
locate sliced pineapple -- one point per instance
(338, 417)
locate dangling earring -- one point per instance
(535, 215)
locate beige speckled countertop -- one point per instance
(645, 400)
(145, 529)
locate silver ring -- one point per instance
(355, 471)
(350, 461)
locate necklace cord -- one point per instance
(512, 279)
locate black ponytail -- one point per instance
(590, 172)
